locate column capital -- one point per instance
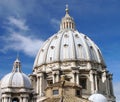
(74, 68)
(56, 72)
(24, 95)
(6, 95)
(40, 74)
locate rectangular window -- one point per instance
(50, 82)
(55, 92)
(83, 83)
(77, 92)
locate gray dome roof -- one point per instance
(16, 78)
(68, 45)
(97, 98)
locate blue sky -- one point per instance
(26, 24)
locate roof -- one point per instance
(66, 98)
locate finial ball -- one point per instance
(67, 9)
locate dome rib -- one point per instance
(10, 81)
(74, 46)
(60, 46)
(46, 57)
(85, 45)
(96, 52)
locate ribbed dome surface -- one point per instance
(68, 45)
(97, 98)
(16, 79)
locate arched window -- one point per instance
(15, 100)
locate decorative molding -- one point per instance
(66, 64)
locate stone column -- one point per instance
(9, 99)
(53, 76)
(105, 81)
(57, 76)
(24, 99)
(41, 85)
(104, 76)
(107, 85)
(73, 76)
(77, 77)
(92, 81)
(21, 99)
(96, 84)
(38, 81)
(2, 99)
(5, 99)
(111, 85)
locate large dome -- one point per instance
(16, 79)
(68, 45)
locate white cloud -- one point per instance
(19, 23)
(27, 44)
(117, 91)
(19, 40)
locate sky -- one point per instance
(26, 24)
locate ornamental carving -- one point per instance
(51, 65)
(66, 64)
(82, 64)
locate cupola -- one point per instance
(67, 21)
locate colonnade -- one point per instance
(93, 79)
(8, 98)
(106, 81)
(40, 85)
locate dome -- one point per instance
(16, 79)
(68, 45)
(97, 98)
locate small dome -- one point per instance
(16, 78)
(97, 98)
